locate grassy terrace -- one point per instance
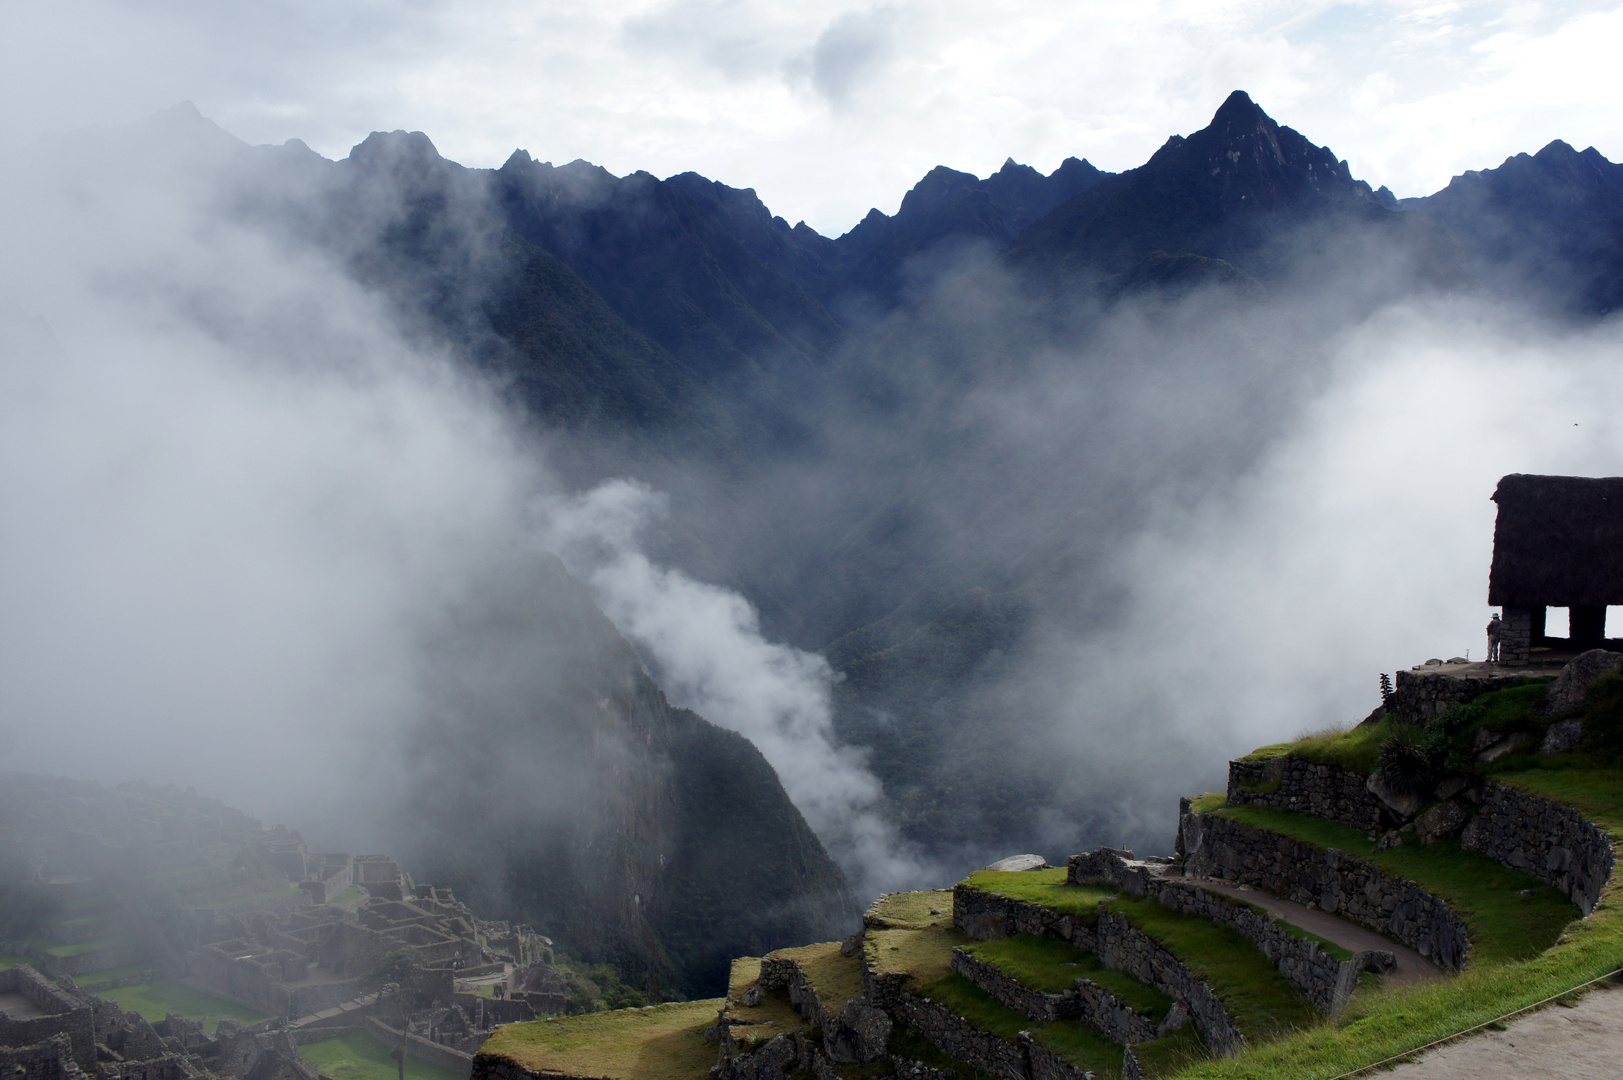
(359, 1057)
(836, 979)
(1502, 924)
(1046, 888)
(661, 1042)
(159, 997)
(1053, 967)
(1261, 1002)
(1076, 1043)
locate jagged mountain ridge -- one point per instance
(1549, 224)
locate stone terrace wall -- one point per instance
(1039, 1005)
(1421, 695)
(1553, 842)
(1327, 791)
(957, 1039)
(1218, 847)
(987, 916)
(64, 1015)
(446, 1057)
(1087, 1001)
(1126, 948)
(1327, 982)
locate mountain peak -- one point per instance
(1239, 116)
(395, 146)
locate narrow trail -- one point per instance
(1411, 966)
(1584, 1042)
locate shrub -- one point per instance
(1405, 765)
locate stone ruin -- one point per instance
(262, 921)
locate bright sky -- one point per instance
(828, 107)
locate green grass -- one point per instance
(1212, 800)
(1261, 1002)
(1046, 888)
(348, 896)
(1181, 1050)
(1595, 791)
(1076, 1043)
(128, 971)
(161, 996)
(835, 978)
(1053, 967)
(662, 1042)
(64, 952)
(907, 1043)
(7, 961)
(357, 1056)
(914, 908)
(1502, 924)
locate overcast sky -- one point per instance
(828, 107)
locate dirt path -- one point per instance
(1584, 1042)
(1411, 966)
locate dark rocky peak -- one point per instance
(936, 190)
(578, 183)
(407, 159)
(1251, 160)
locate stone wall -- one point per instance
(1546, 839)
(1042, 1064)
(64, 1015)
(954, 1037)
(1327, 982)
(1038, 1005)
(446, 1057)
(1123, 947)
(988, 916)
(49, 1059)
(1327, 791)
(1421, 695)
(1217, 847)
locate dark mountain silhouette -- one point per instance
(557, 786)
(1547, 225)
(1242, 196)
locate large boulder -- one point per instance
(1567, 692)
(1440, 822)
(1020, 862)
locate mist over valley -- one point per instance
(674, 579)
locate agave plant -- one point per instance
(1404, 767)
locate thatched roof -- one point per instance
(1558, 542)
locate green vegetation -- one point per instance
(1502, 924)
(79, 948)
(155, 999)
(253, 898)
(836, 979)
(128, 971)
(1261, 1002)
(348, 896)
(1212, 800)
(12, 961)
(915, 908)
(1075, 1042)
(1053, 967)
(659, 1042)
(1595, 791)
(1046, 888)
(359, 1057)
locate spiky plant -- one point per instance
(1404, 767)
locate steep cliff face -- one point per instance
(555, 785)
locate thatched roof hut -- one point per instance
(1558, 542)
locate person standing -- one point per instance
(1495, 632)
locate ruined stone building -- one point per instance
(1558, 543)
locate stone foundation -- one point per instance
(1546, 839)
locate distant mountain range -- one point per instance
(810, 404)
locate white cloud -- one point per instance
(829, 108)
